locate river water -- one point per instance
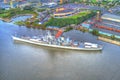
(22, 61)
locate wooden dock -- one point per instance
(109, 40)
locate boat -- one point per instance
(59, 42)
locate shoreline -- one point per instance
(99, 38)
(5, 19)
(9, 20)
(109, 41)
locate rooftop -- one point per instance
(111, 17)
(65, 11)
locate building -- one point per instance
(49, 4)
(5, 6)
(63, 12)
(111, 17)
(5, 1)
(110, 23)
(11, 4)
(63, 1)
(23, 4)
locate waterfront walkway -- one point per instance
(109, 40)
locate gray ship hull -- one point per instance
(54, 46)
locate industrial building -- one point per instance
(109, 22)
(111, 17)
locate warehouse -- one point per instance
(111, 17)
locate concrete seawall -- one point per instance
(109, 40)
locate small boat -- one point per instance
(60, 42)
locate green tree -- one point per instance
(68, 29)
(113, 37)
(28, 8)
(95, 32)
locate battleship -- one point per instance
(58, 41)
